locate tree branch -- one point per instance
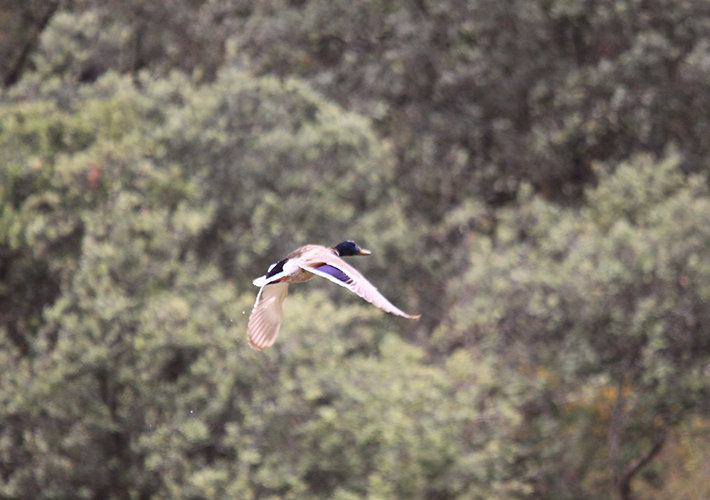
(38, 23)
(633, 468)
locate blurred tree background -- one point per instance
(532, 176)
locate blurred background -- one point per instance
(531, 176)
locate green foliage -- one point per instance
(600, 313)
(125, 204)
(277, 162)
(531, 176)
(473, 97)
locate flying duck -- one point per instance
(299, 266)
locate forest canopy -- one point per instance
(531, 176)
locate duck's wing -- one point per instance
(265, 318)
(335, 269)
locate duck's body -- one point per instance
(301, 265)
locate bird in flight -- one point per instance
(299, 266)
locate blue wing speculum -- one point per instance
(336, 273)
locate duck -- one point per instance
(299, 266)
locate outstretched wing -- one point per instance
(265, 318)
(333, 268)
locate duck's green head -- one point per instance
(350, 248)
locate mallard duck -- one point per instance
(301, 265)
